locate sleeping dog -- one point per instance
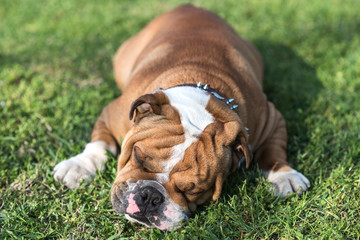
(192, 109)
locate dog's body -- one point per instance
(194, 89)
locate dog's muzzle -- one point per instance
(146, 202)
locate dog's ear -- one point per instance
(234, 134)
(147, 104)
(242, 149)
(231, 132)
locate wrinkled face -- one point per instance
(176, 156)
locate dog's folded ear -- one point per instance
(147, 104)
(242, 150)
(231, 132)
(235, 134)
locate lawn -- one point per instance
(56, 76)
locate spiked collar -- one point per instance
(217, 94)
(212, 91)
(221, 97)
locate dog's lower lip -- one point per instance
(141, 218)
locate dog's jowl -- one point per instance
(192, 109)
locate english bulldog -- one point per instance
(192, 109)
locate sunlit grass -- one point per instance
(56, 76)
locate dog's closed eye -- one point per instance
(141, 159)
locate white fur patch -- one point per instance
(285, 183)
(191, 104)
(83, 165)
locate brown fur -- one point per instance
(190, 45)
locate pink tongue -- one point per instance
(132, 207)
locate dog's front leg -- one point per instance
(84, 165)
(272, 160)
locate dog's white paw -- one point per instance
(70, 172)
(285, 183)
(82, 166)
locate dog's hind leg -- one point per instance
(272, 160)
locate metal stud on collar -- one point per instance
(206, 88)
(229, 101)
(217, 95)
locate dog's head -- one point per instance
(172, 161)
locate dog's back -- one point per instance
(185, 36)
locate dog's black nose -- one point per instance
(150, 198)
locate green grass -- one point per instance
(56, 76)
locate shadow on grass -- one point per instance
(292, 85)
